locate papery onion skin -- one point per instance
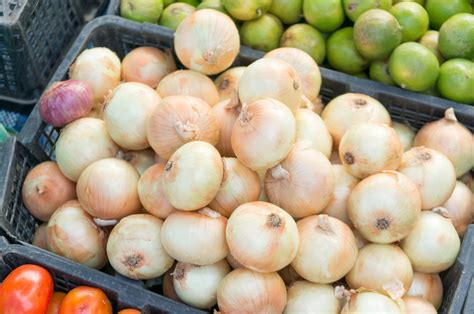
(227, 83)
(275, 230)
(460, 207)
(428, 286)
(227, 113)
(207, 41)
(72, 233)
(416, 305)
(141, 159)
(40, 236)
(305, 297)
(247, 291)
(399, 214)
(64, 102)
(134, 247)
(178, 120)
(107, 189)
(45, 189)
(310, 126)
(405, 133)
(81, 143)
(371, 302)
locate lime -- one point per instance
(194, 3)
(355, 8)
(414, 67)
(456, 80)
(376, 34)
(325, 15)
(212, 4)
(246, 10)
(141, 10)
(263, 33)
(421, 2)
(441, 10)
(174, 14)
(167, 2)
(412, 18)
(306, 38)
(288, 11)
(342, 53)
(379, 72)
(361, 75)
(430, 41)
(456, 37)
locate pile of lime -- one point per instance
(420, 45)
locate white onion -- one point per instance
(360, 240)
(227, 83)
(467, 180)
(417, 305)
(40, 237)
(427, 286)
(306, 297)
(233, 262)
(141, 159)
(405, 133)
(460, 207)
(226, 113)
(371, 302)
(310, 126)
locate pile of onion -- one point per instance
(405, 133)
(227, 83)
(427, 286)
(140, 159)
(226, 112)
(310, 127)
(366, 301)
(460, 207)
(306, 297)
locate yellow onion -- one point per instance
(107, 189)
(405, 133)
(134, 247)
(126, 113)
(302, 183)
(141, 159)
(371, 302)
(433, 244)
(226, 113)
(417, 305)
(40, 237)
(427, 286)
(197, 285)
(151, 194)
(232, 261)
(460, 207)
(306, 297)
(310, 127)
(207, 41)
(227, 83)
(316, 106)
(168, 287)
(289, 275)
(72, 233)
(276, 233)
(263, 134)
(432, 172)
(327, 249)
(100, 68)
(178, 120)
(272, 78)
(188, 83)
(385, 207)
(81, 143)
(360, 241)
(193, 176)
(368, 148)
(350, 109)
(239, 185)
(147, 65)
(451, 138)
(247, 291)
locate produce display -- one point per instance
(420, 45)
(240, 189)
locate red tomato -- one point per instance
(55, 303)
(129, 311)
(26, 290)
(85, 300)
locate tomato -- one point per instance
(129, 311)
(26, 290)
(85, 300)
(55, 303)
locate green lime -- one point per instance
(167, 2)
(141, 10)
(288, 11)
(246, 10)
(263, 33)
(430, 41)
(379, 72)
(441, 10)
(376, 34)
(194, 3)
(414, 67)
(212, 4)
(456, 80)
(175, 13)
(456, 37)
(306, 38)
(355, 8)
(342, 53)
(325, 15)
(361, 75)
(421, 2)
(412, 18)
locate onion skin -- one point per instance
(460, 207)
(405, 133)
(415, 305)
(427, 286)
(227, 113)
(227, 83)
(45, 189)
(64, 102)
(40, 236)
(305, 297)
(310, 126)
(141, 159)
(371, 302)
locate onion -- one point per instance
(179, 120)
(40, 236)
(264, 134)
(310, 127)
(289, 275)
(193, 176)
(195, 237)
(72, 233)
(384, 207)
(239, 185)
(247, 291)
(134, 247)
(460, 207)
(147, 65)
(126, 113)
(197, 285)
(344, 183)
(350, 109)
(316, 106)
(433, 244)
(334, 158)
(272, 78)
(427, 286)
(360, 241)
(66, 101)
(227, 83)
(368, 148)
(371, 302)
(302, 183)
(168, 287)
(405, 133)
(226, 113)
(141, 160)
(207, 41)
(97, 113)
(306, 297)
(233, 262)
(100, 68)
(327, 249)
(467, 180)
(81, 143)
(451, 138)
(45, 189)
(432, 172)
(276, 233)
(416, 305)
(107, 189)
(188, 83)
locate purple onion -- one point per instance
(66, 101)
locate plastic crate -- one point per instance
(34, 36)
